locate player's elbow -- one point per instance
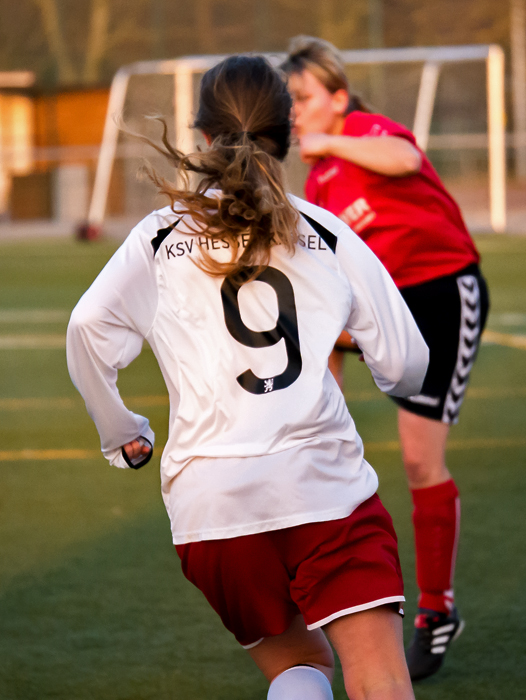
(410, 162)
(80, 319)
(83, 323)
(411, 372)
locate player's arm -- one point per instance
(105, 334)
(380, 321)
(387, 155)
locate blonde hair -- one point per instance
(323, 60)
(245, 109)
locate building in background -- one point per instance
(48, 150)
(49, 147)
(17, 131)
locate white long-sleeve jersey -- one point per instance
(260, 437)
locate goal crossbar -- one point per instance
(433, 58)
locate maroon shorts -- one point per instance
(259, 583)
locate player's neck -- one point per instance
(337, 126)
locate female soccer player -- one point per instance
(241, 292)
(369, 171)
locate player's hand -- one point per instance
(138, 452)
(137, 448)
(314, 146)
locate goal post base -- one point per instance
(88, 232)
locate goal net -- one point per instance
(451, 97)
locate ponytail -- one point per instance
(245, 110)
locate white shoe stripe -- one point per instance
(444, 639)
(438, 650)
(444, 629)
(459, 631)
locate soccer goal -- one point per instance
(451, 96)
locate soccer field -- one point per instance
(92, 602)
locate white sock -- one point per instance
(300, 683)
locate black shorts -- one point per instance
(451, 314)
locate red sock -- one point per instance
(436, 519)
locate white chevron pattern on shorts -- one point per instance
(469, 337)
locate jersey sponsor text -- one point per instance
(358, 215)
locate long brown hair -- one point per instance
(244, 108)
(323, 60)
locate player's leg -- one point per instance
(436, 508)
(299, 664)
(450, 313)
(423, 443)
(436, 520)
(339, 569)
(323, 570)
(370, 647)
(254, 603)
(348, 571)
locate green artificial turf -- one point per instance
(92, 601)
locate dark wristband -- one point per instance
(134, 464)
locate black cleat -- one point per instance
(434, 632)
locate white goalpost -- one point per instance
(433, 59)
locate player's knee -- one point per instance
(300, 683)
(321, 661)
(296, 648)
(424, 470)
(417, 470)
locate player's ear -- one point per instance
(340, 101)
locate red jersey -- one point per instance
(412, 223)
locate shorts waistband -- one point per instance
(472, 269)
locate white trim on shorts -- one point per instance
(355, 609)
(342, 613)
(254, 644)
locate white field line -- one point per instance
(46, 404)
(37, 341)
(33, 341)
(15, 315)
(511, 318)
(37, 404)
(480, 392)
(46, 455)
(45, 341)
(506, 339)
(467, 444)
(34, 315)
(56, 341)
(54, 455)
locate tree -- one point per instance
(341, 23)
(53, 30)
(101, 39)
(206, 34)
